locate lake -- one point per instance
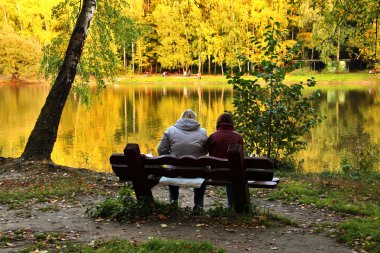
(140, 113)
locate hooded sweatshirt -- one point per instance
(185, 137)
(221, 139)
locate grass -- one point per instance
(124, 246)
(322, 78)
(45, 185)
(355, 194)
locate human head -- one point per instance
(188, 114)
(224, 118)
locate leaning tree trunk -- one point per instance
(44, 134)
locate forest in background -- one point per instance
(136, 36)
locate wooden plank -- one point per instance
(258, 162)
(154, 179)
(259, 174)
(188, 160)
(187, 172)
(262, 184)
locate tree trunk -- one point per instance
(376, 33)
(19, 14)
(133, 58)
(199, 63)
(338, 48)
(44, 134)
(209, 64)
(124, 57)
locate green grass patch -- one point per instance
(332, 78)
(362, 231)
(44, 188)
(8, 238)
(124, 246)
(125, 208)
(5, 240)
(360, 77)
(355, 194)
(153, 245)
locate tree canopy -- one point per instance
(134, 36)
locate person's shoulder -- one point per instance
(237, 134)
(170, 129)
(212, 135)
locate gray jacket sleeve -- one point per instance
(164, 145)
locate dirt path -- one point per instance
(68, 221)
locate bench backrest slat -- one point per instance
(188, 160)
(258, 162)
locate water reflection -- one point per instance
(141, 113)
(350, 131)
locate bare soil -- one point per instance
(69, 221)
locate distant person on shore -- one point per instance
(185, 137)
(220, 140)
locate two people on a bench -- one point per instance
(186, 137)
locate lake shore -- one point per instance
(321, 78)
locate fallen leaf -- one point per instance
(162, 217)
(164, 225)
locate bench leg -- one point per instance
(140, 181)
(240, 191)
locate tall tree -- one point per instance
(41, 141)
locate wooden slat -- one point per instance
(117, 158)
(262, 184)
(185, 172)
(259, 174)
(258, 162)
(187, 160)
(219, 182)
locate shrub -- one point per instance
(274, 117)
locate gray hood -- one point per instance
(187, 124)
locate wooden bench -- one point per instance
(237, 171)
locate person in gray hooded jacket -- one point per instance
(185, 137)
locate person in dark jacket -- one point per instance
(185, 137)
(219, 141)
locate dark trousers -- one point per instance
(199, 194)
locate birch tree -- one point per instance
(41, 141)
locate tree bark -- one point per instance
(41, 141)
